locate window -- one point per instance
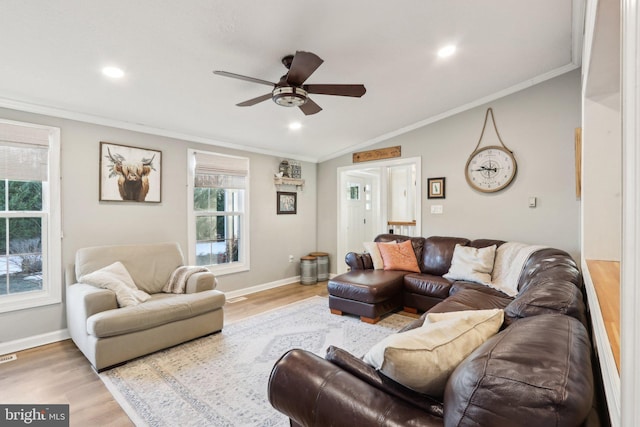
(30, 265)
(218, 206)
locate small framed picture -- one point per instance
(436, 188)
(287, 202)
(130, 174)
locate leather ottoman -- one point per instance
(366, 293)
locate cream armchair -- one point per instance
(108, 334)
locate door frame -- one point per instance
(381, 199)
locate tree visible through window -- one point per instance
(20, 236)
(219, 231)
(30, 226)
(217, 225)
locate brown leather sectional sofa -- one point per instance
(536, 371)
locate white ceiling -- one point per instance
(52, 51)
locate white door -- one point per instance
(356, 216)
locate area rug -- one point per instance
(221, 379)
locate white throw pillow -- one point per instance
(423, 358)
(472, 264)
(372, 249)
(116, 278)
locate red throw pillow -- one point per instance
(399, 256)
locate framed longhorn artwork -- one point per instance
(130, 174)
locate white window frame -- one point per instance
(51, 292)
(243, 263)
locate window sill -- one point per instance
(27, 300)
(222, 270)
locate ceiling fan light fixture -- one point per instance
(287, 96)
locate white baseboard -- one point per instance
(34, 341)
(263, 287)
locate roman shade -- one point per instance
(24, 153)
(220, 171)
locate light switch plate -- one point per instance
(436, 209)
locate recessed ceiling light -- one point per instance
(295, 125)
(447, 51)
(113, 72)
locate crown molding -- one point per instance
(484, 100)
(137, 127)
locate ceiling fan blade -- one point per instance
(340, 90)
(310, 107)
(241, 77)
(302, 66)
(254, 101)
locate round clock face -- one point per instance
(490, 169)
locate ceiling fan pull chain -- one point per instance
(486, 116)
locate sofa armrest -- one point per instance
(82, 302)
(548, 296)
(358, 368)
(327, 395)
(199, 282)
(88, 300)
(537, 372)
(359, 261)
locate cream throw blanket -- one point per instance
(178, 280)
(510, 260)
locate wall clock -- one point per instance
(491, 168)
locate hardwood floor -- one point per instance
(59, 374)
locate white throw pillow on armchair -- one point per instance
(116, 278)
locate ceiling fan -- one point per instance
(291, 91)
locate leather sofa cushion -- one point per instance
(437, 254)
(427, 284)
(549, 263)
(358, 368)
(483, 243)
(459, 285)
(470, 299)
(369, 286)
(548, 296)
(540, 365)
(159, 310)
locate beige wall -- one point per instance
(538, 125)
(88, 222)
(602, 180)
